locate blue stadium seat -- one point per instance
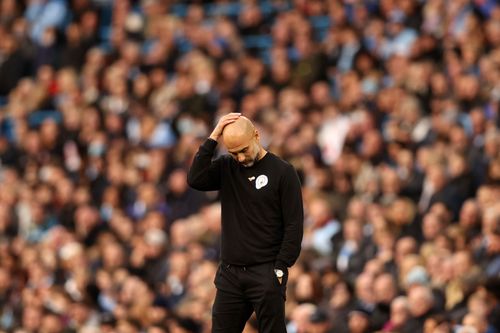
(258, 41)
(227, 9)
(106, 14)
(3, 100)
(320, 34)
(105, 33)
(36, 118)
(265, 56)
(320, 25)
(179, 9)
(320, 22)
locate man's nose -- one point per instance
(241, 158)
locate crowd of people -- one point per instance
(388, 109)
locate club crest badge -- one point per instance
(261, 182)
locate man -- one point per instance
(262, 225)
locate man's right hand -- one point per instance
(223, 121)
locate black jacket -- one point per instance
(262, 211)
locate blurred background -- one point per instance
(388, 109)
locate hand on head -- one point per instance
(240, 138)
(223, 122)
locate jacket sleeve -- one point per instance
(293, 218)
(205, 173)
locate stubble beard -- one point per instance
(253, 161)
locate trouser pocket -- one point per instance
(276, 281)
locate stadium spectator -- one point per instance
(389, 110)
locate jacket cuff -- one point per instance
(281, 265)
(209, 144)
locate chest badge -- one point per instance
(261, 182)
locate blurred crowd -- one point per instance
(388, 109)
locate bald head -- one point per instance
(238, 133)
(242, 141)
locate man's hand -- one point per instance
(223, 122)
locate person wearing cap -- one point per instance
(262, 225)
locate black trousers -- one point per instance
(244, 289)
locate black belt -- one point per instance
(242, 267)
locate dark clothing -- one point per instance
(413, 186)
(494, 318)
(453, 194)
(462, 188)
(416, 324)
(243, 289)
(380, 315)
(12, 69)
(73, 55)
(413, 325)
(47, 55)
(309, 70)
(262, 213)
(262, 225)
(339, 317)
(350, 261)
(184, 204)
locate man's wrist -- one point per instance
(278, 264)
(279, 274)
